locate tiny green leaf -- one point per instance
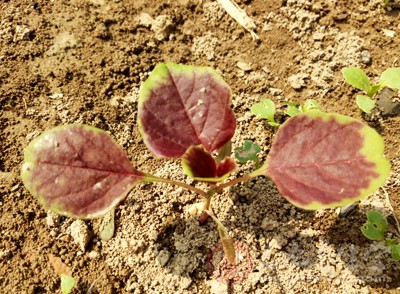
(292, 109)
(374, 89)
(310, 104)
(365, 103)
(395, 248)
(107, 226)
(357, 78)
(247, 152)
(264, 109)
(67, 284)
(375, 226)
(396, 252)
(391, 78)
(274, 124)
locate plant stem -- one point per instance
(256, 173)
(206, 206)
(226, 240)
(151, 178)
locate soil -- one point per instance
(84, 61)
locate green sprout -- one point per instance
(266, 110)
(67, 284)
(248, 152)
(375, 228)
(294, 108)
(357, 78)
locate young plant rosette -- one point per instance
(317, 160)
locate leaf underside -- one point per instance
(201, 165)
(181, 106)
(78, 171)
(321, 160)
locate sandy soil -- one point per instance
(84, 61)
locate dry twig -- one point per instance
(240, 16)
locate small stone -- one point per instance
(21, 33)
(388, 33)
(15, 188)
(365, 57)
(340, 16)
(53, 219)
(297, 81)
(163, 257)
(162, 27)
(56, 96)
(244, 66)
(254, 278)
(80, 234)
(217, 287)
(93, 254)
(318, 36)
(328, 271)
(274, 244)
(268, 224)
(186, 282)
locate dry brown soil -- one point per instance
(83, 61)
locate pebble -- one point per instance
(217, 287)
(52, 219)
(93, 254)
(163, 257)
(244, 66)
(80, 234)
(365, 57)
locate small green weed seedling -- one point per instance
(294, 108)
(265, 109)
(248, 152)
(184, 112)
(375, 228)
(67, 284)
(357, 78)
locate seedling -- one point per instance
(184, 111)
(357, 78)
(294, 108)
(248, 152)
(375, 228)
(67, 284)
(266, 110)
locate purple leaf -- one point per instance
(201, 165)
(323, 160)
(78, 171)
(225, 167)
(181, 106)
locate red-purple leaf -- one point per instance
(225, 167)
(198, 163)
(181, 106)
(78, 171)
(201, 165)
(321, 160)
